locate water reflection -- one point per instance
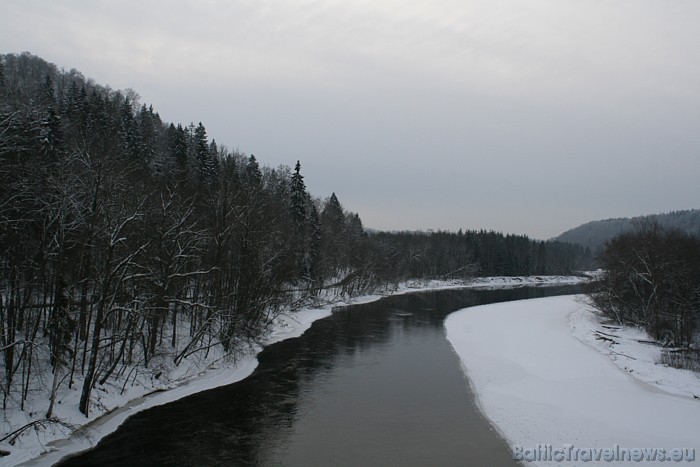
(374, 384)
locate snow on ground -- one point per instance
(194, 376)
(38, 451)
(542, 378)
(505, 281)
(634, 352)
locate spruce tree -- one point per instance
(201, 152)
(177, 146)
(332, 236)
(253, 174)
(298, 196)
(332, 215)
(213, 167)
(297, 206)
(48, 97)
(127, 129)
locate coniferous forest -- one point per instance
(124, 238)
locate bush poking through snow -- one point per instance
(685, 359)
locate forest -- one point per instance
(652, 280)
(593, 235)
(124, 239)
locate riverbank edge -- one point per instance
(222, 373)
(537, 416)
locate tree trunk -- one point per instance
(84, 405)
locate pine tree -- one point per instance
(147, 142)
(332, 215)
(127, 129)
(201, 153)
(253, 174)
(298, 211)
(332, 236)
(97, 115)
(177, 146)
(213, 166)
(298, 196)
(48, 97)
(76, 101)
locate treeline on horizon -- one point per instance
(125, 238)
(593, 235)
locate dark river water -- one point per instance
(375, 384)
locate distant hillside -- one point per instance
(593, 234)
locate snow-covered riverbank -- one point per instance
(46, 448)
(543, 379)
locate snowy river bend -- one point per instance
(374, 384)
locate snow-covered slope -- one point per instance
(543, 379)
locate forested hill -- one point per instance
(593, 235)
(127, 240)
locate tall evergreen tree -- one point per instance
(147, 144)
(213, 165)
(298, 210)
(127, 130)
(332, 241)
(48, 97)
(177, 147)
(253, 173)
(333, 214)
(298, 196)
(201, 153)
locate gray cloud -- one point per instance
(527, 117)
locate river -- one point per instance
(373, 384)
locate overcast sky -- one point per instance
(524, 116)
